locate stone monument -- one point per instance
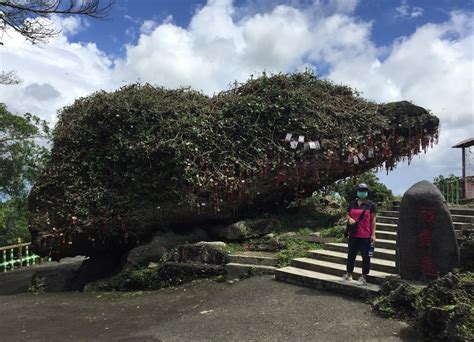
(426, 243)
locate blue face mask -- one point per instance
(362, 194)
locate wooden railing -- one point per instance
(18, 256)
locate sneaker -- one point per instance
(362, 280)
(347, 277)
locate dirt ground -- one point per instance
(255, 309)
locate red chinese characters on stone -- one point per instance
(426, 214)
(425, 237)
(428, 268)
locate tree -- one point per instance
(22, 157)
(13, 221)
(24, 16)
(378, 191)
(9, 78)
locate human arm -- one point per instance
(350, 220)
(373, 224)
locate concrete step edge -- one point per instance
(327, 267)
(323, 281)
(336, 254)
(377, 264)
(342, 268)
(252, 256)
(263, 267)
(252, 261)
(344, 244)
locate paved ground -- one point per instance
(258, 309)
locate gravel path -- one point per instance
(258, 309)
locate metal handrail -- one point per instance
(453, 190)
(18, 256)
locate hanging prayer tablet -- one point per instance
(293, 144)
(356, 160)
(361, 156)
(305, 146)
(317, 145)
(301, 139)
(312, 145)
(350, 159)
(288, 136)
(371, 152)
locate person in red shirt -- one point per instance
(365, 234)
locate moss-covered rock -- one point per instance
(127, 163)
(441, 311)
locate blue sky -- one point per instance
(421, 51)
(127, 16)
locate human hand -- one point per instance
(351, 220)
(372, 238)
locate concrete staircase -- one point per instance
(322, 269)
(244, 263)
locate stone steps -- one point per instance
(242, 264)
(323, 269)
(237, 271)
(394, 221)
(463, 218)
(454, 211)
(328, 267)
(323, 281)
(253, 258)
(377, 264)
(388, 227)
(388, 213)
(381, 253)
(385, 235)
(387, 219)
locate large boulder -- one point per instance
(203, 252)
(141, 159)
(426, 242)
(177, 273)
(71, 277)
(159, 247)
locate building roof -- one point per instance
(465, 143)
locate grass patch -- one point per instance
(233, 247)
(335, 232)
(305, 231)
(295, 248)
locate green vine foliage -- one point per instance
(128, 162)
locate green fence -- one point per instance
(18, 256)
(452, 190)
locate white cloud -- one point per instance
(54, 74)
(69, 26)
(433, 68)
(408, 12)
(217, 48)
